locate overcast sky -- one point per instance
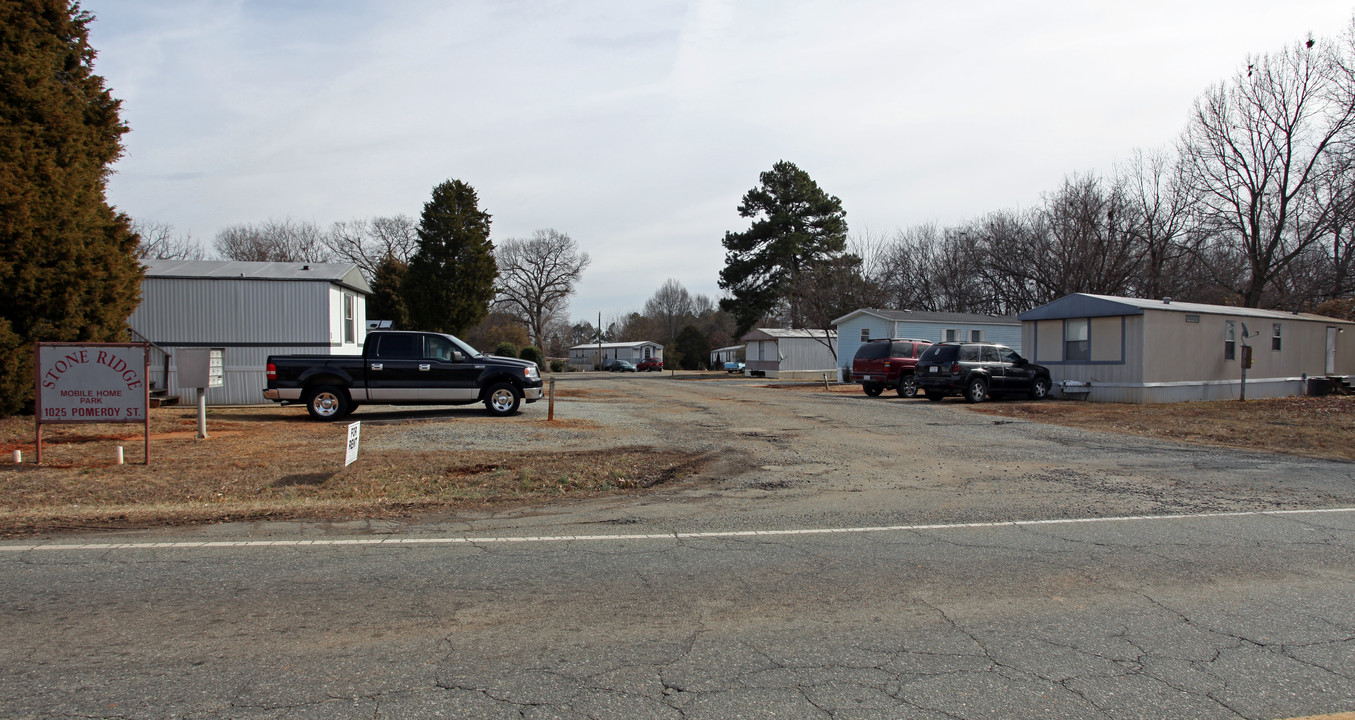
(636, 127)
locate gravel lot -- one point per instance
(835, 459)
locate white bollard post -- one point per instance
(118, 455)
(18, 456)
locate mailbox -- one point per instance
(201, 367)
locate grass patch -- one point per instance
(272, 463)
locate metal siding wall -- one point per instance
(179, 310)
(806, 354)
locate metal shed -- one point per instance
(1152, 351)
(251, 310)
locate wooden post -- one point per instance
(550, 406)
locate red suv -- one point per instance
(888, 363)
(649, 364)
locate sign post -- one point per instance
(91, 383)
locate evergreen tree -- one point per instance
(794, 223)
(386, 302)
(450, 280)
(67, 259)
(692, 348)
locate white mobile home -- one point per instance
(1153, 351)
(790, 354)
(860, 326)
(720, 356)
(595, 354)
(251, 310)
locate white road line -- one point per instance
(67, 547)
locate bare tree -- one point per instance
(158, 241)
(536, 278)
(273, 241)
(1157, 213)
(366, 242)
(671, 307)
(1254, 149)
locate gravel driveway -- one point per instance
(829, 459)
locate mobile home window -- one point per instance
(349, 329)
(865, 334)
(1229, 340)
(1275, 337)
(975, 336)
(952, 335)
(1076, 344)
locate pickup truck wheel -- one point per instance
(908, 386)
(327, 403)
(935, 395)
(872, 389)
(502, 399)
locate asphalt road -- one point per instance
(833, 557)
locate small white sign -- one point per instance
(354, 430)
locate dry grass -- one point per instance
(1321, 427)
(273, 463)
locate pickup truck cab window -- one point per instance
(440, 348)
(399, 347)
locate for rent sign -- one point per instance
(91, 382)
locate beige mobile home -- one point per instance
(1129, 350)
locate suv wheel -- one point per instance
(872, 389)
(908, 386)
(1039, 389)
(976, 391)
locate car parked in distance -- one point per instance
(979, 371)
(649, 365)
(619, 366)
(733, 366)
(888, 363)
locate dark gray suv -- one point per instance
(978, 371)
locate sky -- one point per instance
(636, 127)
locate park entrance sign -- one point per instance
(92, 383)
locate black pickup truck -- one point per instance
(403, 368)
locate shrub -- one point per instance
(558, 365)
(506, 349)
(534, 354)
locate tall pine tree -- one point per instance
(795, 224)
(450, 279)
(67, 259)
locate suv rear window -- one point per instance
(883, 349)
(941, 353)
(872, 351)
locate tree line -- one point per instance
(1253, 205)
